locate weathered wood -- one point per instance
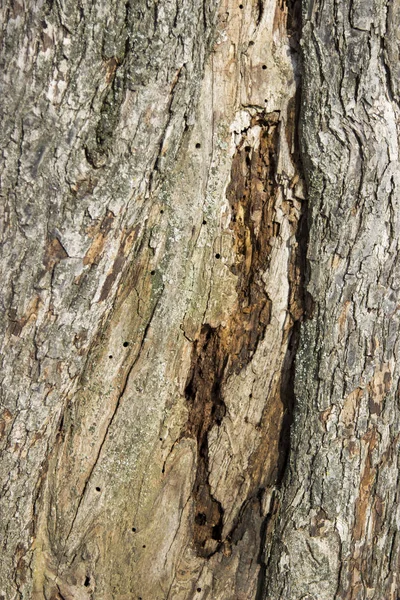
(151, 277)
(158, 264)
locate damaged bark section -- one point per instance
(255, 193)
(207, 408)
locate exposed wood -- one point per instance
(199, 380)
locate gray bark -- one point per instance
(338, 530)
(199, 300)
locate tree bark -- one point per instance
(337, 535)
(199, 300)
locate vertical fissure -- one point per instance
(300, 301)
(222, 351)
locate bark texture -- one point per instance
(162, 318)
(338, 532)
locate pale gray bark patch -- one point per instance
(98, 97)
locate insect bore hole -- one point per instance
(201, 519)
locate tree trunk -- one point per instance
(338, 535)
(200, 300)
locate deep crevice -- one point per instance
(300, 303)
(265, 533)
(221, 351)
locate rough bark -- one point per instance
(337, 535)
(155, 284)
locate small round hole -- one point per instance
(198, 145)
(240, 6)
(144, 546)
(251, 43)
(134, 529)
(200, 519)
(264, 67)
(204, 222)
(110, 356)
(161, 439)
(98, 489)
(152, 272)
(217, 255)
(198, 590)
(125, 344)
(161, 212)
(250, 395)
